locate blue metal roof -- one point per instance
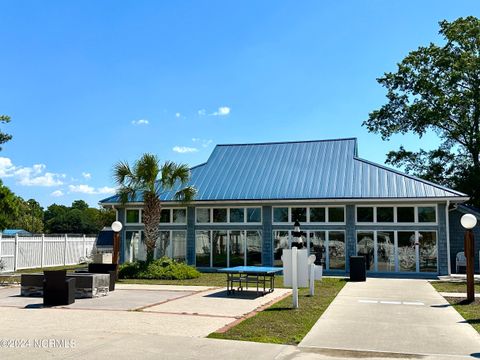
(323, 169)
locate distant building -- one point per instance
(249, 196)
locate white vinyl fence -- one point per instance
(27, 252)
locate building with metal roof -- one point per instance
(249, 195)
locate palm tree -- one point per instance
(151, 180)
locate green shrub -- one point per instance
(163, 268)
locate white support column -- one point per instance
(84, 249)
(294, 278)
(65, 251)
(42, 259)
(15, 263)
(447, 230)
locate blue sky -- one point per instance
(89, 83)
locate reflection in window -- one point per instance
(299, 214)
(133, 216)
(428, 251)
(406, 251)
(317, 247)
(254, 248)
(427, 214)
(132, 245)
(280, 214)
(219, 248)
(336, 250)
(202, 248)
(219, 215)
(254, 215)
(236, 215)
(203, 215)
(336, 214)
(237, 251)
(280, 242)
(406, 214)
(317, 214)
(364, 214)
(180, 216)
(384, 214)
(365, 247)
(179, 241)
(163, 245)
(385, 251)
(165, 216)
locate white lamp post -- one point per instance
(116, 227)
(469, 221)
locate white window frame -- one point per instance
(326, 207)
(171, 216)
(395, 215)
(245, 209)
(243, 234)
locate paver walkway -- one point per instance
(393, 316)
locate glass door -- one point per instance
(366, 248)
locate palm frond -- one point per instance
(122, 173)
(147, 169)
(126, 193)
(186, 195)
(172, 172)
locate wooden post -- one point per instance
(116, 247)
(42, 259)
(470, 257)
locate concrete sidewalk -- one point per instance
(393, 316)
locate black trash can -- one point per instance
(358, 270)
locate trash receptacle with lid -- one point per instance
(358, 270)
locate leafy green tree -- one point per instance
(437, 88)
(3, 136)
(30, 216)
(148, 179)
(80, 205)
(9, 207)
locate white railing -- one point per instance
(38, 251)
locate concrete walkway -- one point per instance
(395, 316)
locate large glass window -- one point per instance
(163, 245)
(254, 215)
(165, 216)
(406, 214)
(336, 214)
(203, 215)
(237, 251)
(317, 214)
(237, 215)
(385, 251)
(406, 251)
(280, 215)
(428, 251)
(179, 242)
(385, 214)
(202, 248)
(299, 214)
(254, 248)
(317, 247)
(365, 214)
(427, 214)
(219, 248)
(366, 248)
(219, 215)
(180, 216)
(280, 242)
(133, 216)
(133, 245)
(336, 250)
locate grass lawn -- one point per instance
(456, 286)
(67, 267)
(280, 323)
(470, 312)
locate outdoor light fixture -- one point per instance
(116, 227)
(469, 221)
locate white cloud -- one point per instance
(222, 111)
(140, 122)
(177, 115)
(204, 142)
(30, 176)
(202, 112)
(90, 190)
(184, 149)
(57, 193)
(86, 175)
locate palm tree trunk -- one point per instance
(151, 221)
